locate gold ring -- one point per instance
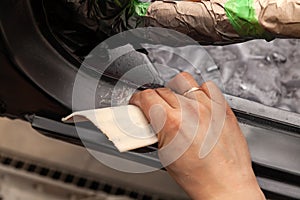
(193, 89)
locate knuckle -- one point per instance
(200, 95)
(173, 122)
(146, 93)
(187, 77)
(208, 85)
(204, 110)
(210, 82)
(229, 113)
(170, 117)
(134, 97)
(163, 89)
(186, 74)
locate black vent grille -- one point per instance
(72, 178)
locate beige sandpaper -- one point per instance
(125, 126)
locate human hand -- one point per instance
(200, 141)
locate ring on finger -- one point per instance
(193, 89)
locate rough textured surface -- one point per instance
(266, 72)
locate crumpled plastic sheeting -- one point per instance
(109, 16)
(281, 17)
(204, 21)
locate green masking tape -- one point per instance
(242, 16)
(140, 7)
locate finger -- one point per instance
(183, 82)
(216, 95)
(148, 99)
(213, 92)
(168, 96)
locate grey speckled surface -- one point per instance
(266, 72)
